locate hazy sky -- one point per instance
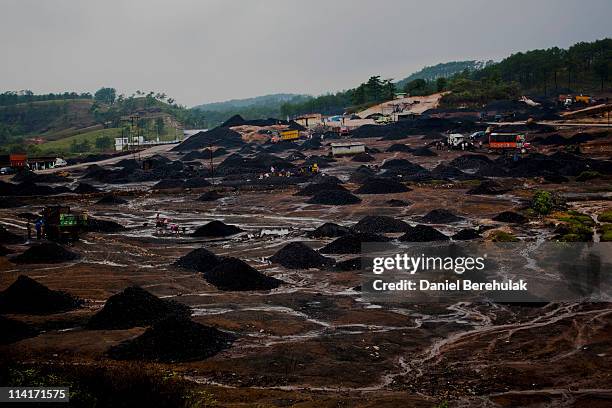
(208, 50)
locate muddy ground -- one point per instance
(315, 341)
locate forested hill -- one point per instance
(265, 100)
(443, 70)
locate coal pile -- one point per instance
(30, 176)
(423, 233)
(27, 188)
(351, 244)
(84, 188)
(98, 225)
(4, 251)
(510, 217)
(399, 147)
(7, 237)
(402, 167)
(235, 120)
(311, 144)
(361, 174)
(196, 155)
(362, 158)
(295, 156)
(398, 203)
(440, 216)
(475, 162)
(555, 178)
(381, 186)
(212, 195)
(128, 164)
(334, 197)
(111, 199)
(10, 203)
(168, 184)
(232, 274)
(28, 296)
(297, 255)
(446, 172)
(352, 264)
(262, 163)
(488, 187)
(216, 229)
(313, 189)
(219, 136)
(14, 330)
(173, 340)
(135, 307)
(321, 161)
(328, 230)
(281, 146)
(199, 259)
(45, 253)
(326, 179)
(424, 151)
(466, 235)
(196, 182)
(380, 224)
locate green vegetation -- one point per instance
(588, 175)
(27, 96)
(443, 70)
(575, 227)
(606, 233)
(605, 216)
(502, 236)
(83, 143)
(542, 202)
(374, 91)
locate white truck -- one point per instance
(459, 141)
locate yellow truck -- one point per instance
(289, 135)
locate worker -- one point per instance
(315, 168)
(38, 227)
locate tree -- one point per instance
(416, 87)
(105, 95)
(159, 126)
(103, 143)
(440, 84)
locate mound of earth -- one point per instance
(352, 264)
(440, 216)
(362, 174)
(84, 188)
(134, 307)
(466, 234)
(381, 186)
(399, 147)
(10, 203)
(219, 136)
(351, 243)
(443, 171)
(28, 296)
(173, 340)
(7, 237)
(199, 259)
(45, 253)
(111, 199)
(488, 187)
(334, 197)
(398, 203)
(215, 229)
(380, 224)
(234, 274)
(98, 225)
(329, 229)
(212, 195)
(196, 155)
(297, 255)
(4, 251)
(362, 157)
(315, 188)
(296, 156)
(510, 217)
(424, 151)
(325, 179)
(423, 233)
(311, 144)
(168, 184)
(14, 330)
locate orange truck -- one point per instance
(507, 141)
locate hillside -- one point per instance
(443, 70)
(264, 100)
